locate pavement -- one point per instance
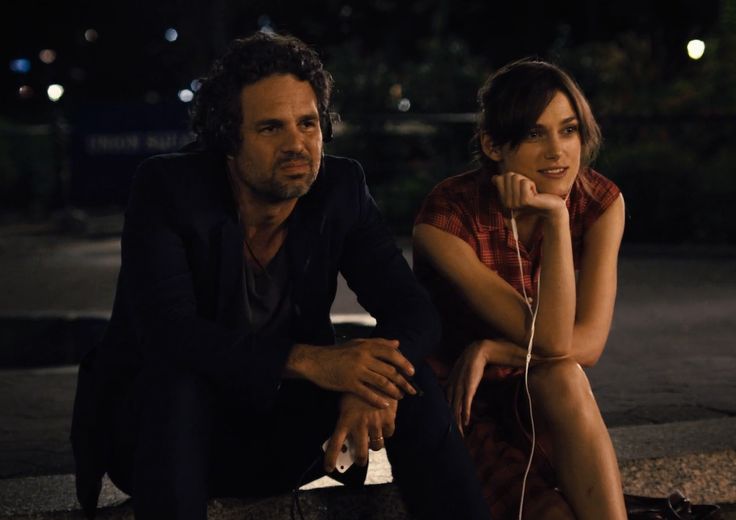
(666, 383)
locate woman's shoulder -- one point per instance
(461, 192)
(452, 205)
(599, 187)
(465, 183)
(591, 197)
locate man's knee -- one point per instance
(170, 394)
(424, 420)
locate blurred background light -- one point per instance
(20, 65)
(186, 95)
(695, 49)
(404, 105)
(25, 92)
(55, 92)
(48, 56)
(195, 85)
(171, 34)
(264, 24)
(91, 35)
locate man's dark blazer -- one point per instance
(180, 294)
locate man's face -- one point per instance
(281, 138)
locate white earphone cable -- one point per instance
(533, 314)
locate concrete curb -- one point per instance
(654, 460)
(53, 497)
(697, 457)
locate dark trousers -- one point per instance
(179, 441)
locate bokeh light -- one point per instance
(25, 92)
(55, 92)
(695, 49)
(404, 105)
(48, 56)
(91, 35)
(171, 34)
(186, 95)
(264, 24)
(20, 65)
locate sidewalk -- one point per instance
(665, 384)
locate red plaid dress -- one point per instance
(467, 206)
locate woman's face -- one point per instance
(550, 153)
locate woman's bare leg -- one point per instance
(582, 452)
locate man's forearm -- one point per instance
(300, 362)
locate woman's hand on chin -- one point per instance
(518, 192)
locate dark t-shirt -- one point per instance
(268, 295)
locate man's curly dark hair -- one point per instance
(216, 113)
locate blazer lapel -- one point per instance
(230, 304)
(306, 225)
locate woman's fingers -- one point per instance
(457, 409)
(456, 392)
(472, 380)
(515, 190)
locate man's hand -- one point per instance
(366, 426)
(373, 369)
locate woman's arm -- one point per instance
(596, 287)
(503, 308)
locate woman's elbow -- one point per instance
(554, 348)
(588, 357)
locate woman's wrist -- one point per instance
(558, 216)
(482, 348)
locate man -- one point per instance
(218, 374)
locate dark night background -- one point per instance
(406, 75)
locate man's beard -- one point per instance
(274, 190)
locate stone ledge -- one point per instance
(702, 477)
(371, 502)
(698, 457)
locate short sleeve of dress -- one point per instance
(601, 191)
(591, 196)
(449, 207)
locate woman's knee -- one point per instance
(561, 386)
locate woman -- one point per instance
(536, 138)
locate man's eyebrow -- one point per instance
(268, 122)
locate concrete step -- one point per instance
(53, 497)
(654, 460)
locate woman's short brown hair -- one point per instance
(513, 98)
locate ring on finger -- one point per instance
(377, 443)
